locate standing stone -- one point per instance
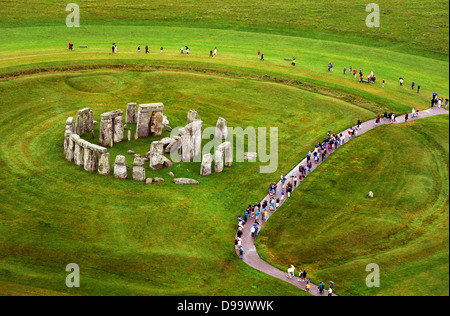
(192, 116)
(70, 147)
(88, 120)
(79, 126)
(205, 169)
(156, 155)
(228, 153)
(104, 166)
(129, 135)
(185, 144)
(120, 167)
(138, 168)
(118, 128)
(156, 125)
(221, 129)
(196, 138)
(143, 123)
(78, 154)
(91, 158)
(106, 136)
(70, 125)
(131, 113)
(218, 160)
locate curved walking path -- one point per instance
(251, 256)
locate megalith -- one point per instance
(120, 167)
(221, 129)
(138, 168)
(205, 169)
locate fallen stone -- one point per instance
(184, 181)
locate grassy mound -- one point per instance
(332, 229)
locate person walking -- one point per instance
(262, 57)
(406, 117)
(146, 49)
(291, 272)
(300, 275)
(413, 113)
(359, 123)
(241, 252)
(259, 54)
(418, 89)
(321, 287)
(330, 292)
(293, 61)
(413, 85)
(215, 51)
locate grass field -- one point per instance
(331, 229)
(132, 239)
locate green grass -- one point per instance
(331, 228)
(132, 239)
(413, 26)
(125, 232)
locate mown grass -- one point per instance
(332, 229)
(128, 237)
(418, 27)
(132, 239)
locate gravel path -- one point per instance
(251, 256)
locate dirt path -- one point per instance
(251, 256)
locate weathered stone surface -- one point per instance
(166, 141)
(167, 163)
(152, 107)
(156, 125)
(104, 165)
(221, 129)
(196, 137)
(70, 124)
(184, 181)
(90, 158)
(370, 195)
(165, 121)
(218, 160)
(148, 181)
(171, 174)
(106, 136)
(174, 145)
(130, 152)
(186, 145)
(158, 180)
(143, 123)
(78, 154)
(89, 121)
(228, 154)
(129, 135)
(118, 128)
(156, 155)
(79, 125)
(69, 150)
(131, 113)
(205, 168)
(138, 168)
(192, 116)
(120, 167)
